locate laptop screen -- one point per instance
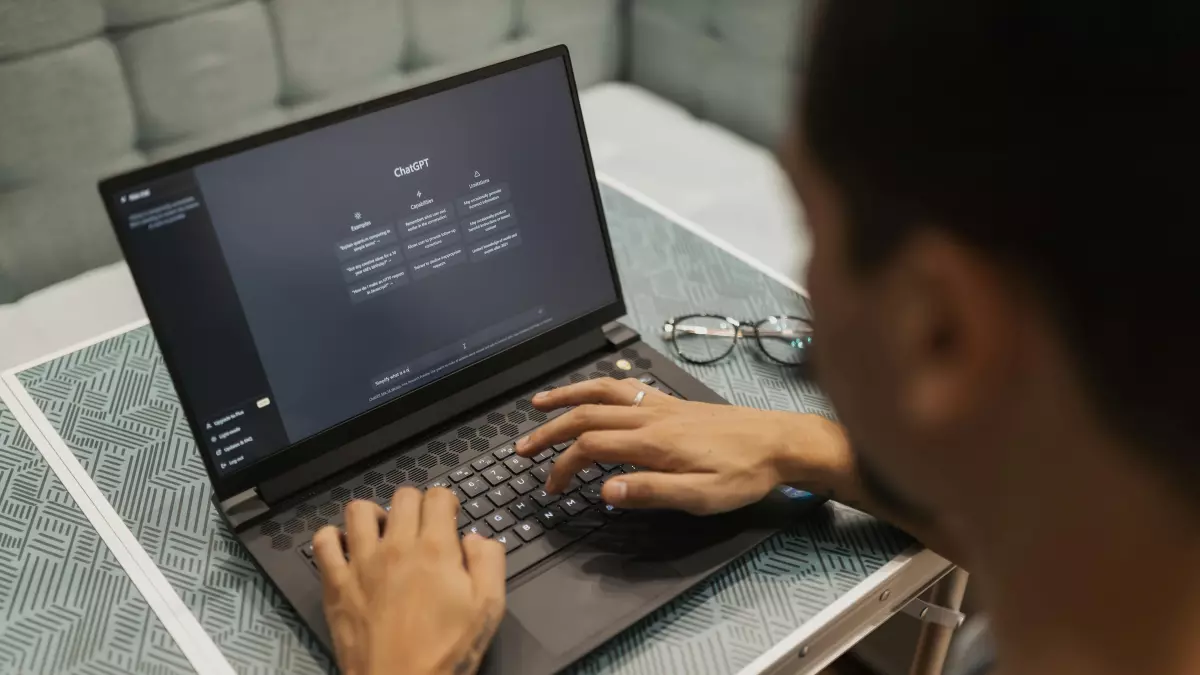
(302, 282)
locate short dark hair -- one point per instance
(1059, 137)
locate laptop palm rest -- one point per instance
(616, 576)
(587, 593)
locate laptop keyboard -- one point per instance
(502, 497)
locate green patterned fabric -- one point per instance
(66, 605)
(114, 406)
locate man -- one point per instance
(999, 194)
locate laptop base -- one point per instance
(592, 584)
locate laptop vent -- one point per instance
(438, 455)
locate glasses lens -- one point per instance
(704, 338)
(787, 339)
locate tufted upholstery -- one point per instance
(728, 61)
(93, 87)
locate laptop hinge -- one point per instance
(619, 335)
(242, 507)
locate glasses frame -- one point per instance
(740, 328)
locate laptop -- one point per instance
(369, 299)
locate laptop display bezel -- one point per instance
(375, 418)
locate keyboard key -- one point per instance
(573, 504)
(541, 473)
(607, 466)
(496, 475)
(517, 464)
(500, 520)
(523, 508)
(610, 510)
(510, 541)
(458, 493)
(307, 550)
(439, 483)
(544, 455)
(574, 485)
(559, 447)
(550, 517)
(544, 498)
(463, 519)
(629, 468)
(529, 530)
(478, 508)
(591, 492)
(482, 463)
(501, 453)
(481, 528)
(460, 474)
(474, 486)
(523, 484)
(502, 495)
(589, 473)
(646, 378)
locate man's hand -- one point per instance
(416, 599)
(701, 458)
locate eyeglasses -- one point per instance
(705, 338)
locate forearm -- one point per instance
(818, 458)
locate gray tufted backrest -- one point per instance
(92, 87)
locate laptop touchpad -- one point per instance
(589, 592)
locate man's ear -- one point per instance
(954, 327)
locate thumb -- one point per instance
(691, 492)
(484, 559)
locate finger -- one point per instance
(363, 521)
(621, 447)
(331, 558)
(691, 492)
(404, 520)
(603, 390)
(438, 521)
(485, 564)
(576, 422)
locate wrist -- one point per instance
(813, 454)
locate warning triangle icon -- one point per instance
(477, 174)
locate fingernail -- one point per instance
(617, 489)
(471, 536)
(522, 442)
(541, 395)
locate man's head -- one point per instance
(1002, 196)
